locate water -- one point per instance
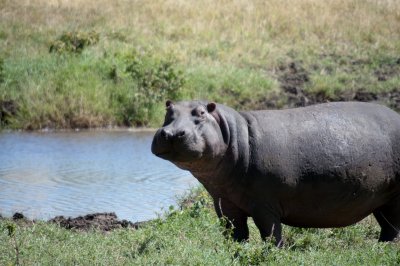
(75, 173)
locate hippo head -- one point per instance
(193, 133)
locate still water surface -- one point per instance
(75, 173)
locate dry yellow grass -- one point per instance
(234, 31)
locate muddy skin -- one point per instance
(327, 165)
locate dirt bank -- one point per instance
(99, 221)
(293, 79)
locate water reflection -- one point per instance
(75, 173)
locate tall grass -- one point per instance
(230, 51)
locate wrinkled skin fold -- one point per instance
(327, 165)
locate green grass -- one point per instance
(63, 64)
(192, 234)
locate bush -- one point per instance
(74, 42)
(155, 80)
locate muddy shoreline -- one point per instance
(105, 221)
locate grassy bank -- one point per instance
(191, 235)
(99, 63)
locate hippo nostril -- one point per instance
(165, 134)
(180, 134)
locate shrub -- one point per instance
(74, 42)
(155, 80)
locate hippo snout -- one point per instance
(162, 142)
(166, 140)
(167, 134)
(177, 144)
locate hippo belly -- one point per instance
(320, 208)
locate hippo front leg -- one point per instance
(268, 224)
(236, 219)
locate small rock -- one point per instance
(18, 216)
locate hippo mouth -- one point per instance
(164, 154)
(175, 156)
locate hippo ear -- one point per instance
(223, 124)
(168, 104)
(211, 107)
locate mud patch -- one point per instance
(8, 108)
(18, 216)
(389, 70)
(391, 99)
(97, 221)
(364, 96)
(293, 79)
(19, 219)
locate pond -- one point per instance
(44, 175)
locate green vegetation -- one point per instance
(191, 234)
(74, 42)
(67, 64)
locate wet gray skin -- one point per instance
(327, 165)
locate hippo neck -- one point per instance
(233, 165)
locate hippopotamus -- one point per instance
(325, 165)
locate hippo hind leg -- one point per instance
(388, 217)
(268, 225)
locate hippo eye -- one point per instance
(197, 112)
